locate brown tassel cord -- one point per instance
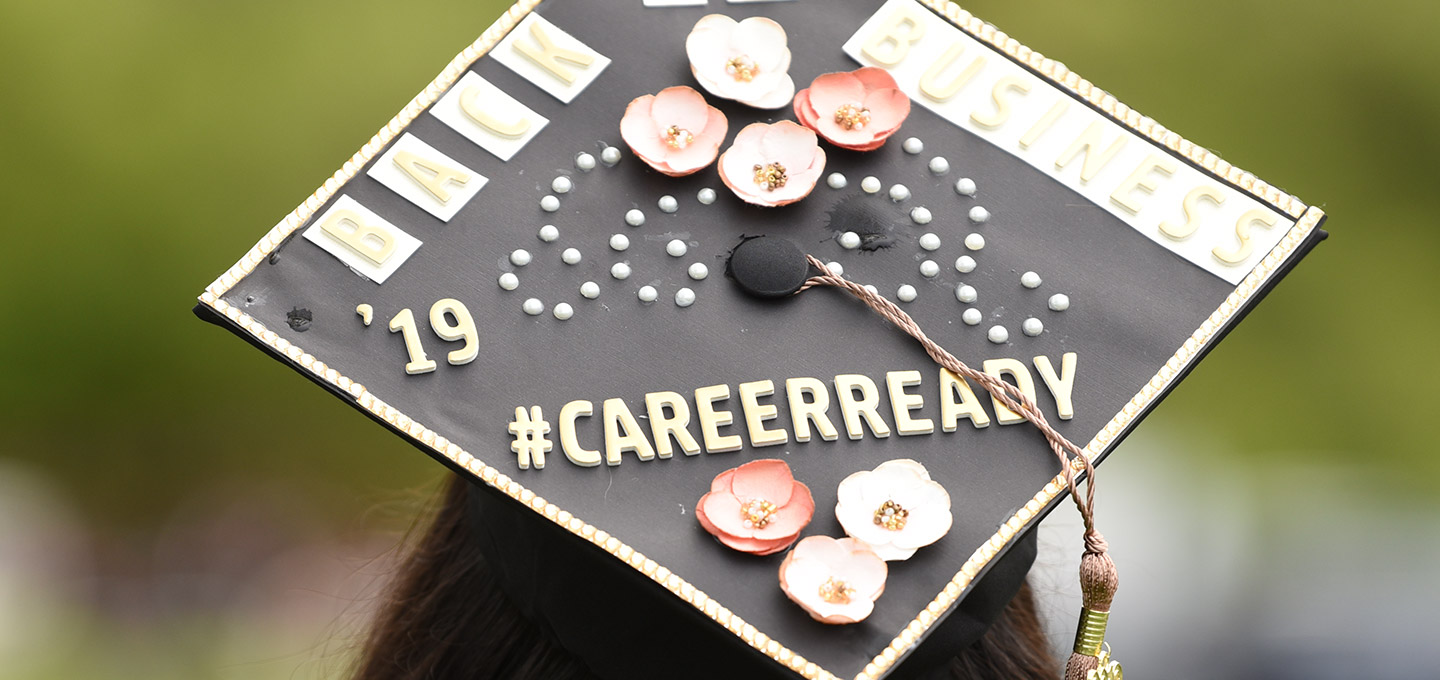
(1098, 577)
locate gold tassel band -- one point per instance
(1090, 636)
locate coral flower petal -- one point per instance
(834, 90)
(728, 512)
(875, 94)
(724, 512)
(791, 146)
(682, 107)
(723, 481)
(757, 546)
(788, 143)
(767, 479)
(875, 78)
(810, 572)
(639, 130)
(888, 105)
(675, 131)
(804, 112)
(791, 517)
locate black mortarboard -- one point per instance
(652, 363)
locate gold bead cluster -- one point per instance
(771, 176)
(891, 516)
(852, 117)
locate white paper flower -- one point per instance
(748, 61)
(835, 580)
(895, 508)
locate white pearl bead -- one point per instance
(676, 248)
(964, 264)
(549, 233)
(668, 204)
(835, 268)
(979, 215)
(699, 271)
(930, 242)
(561, 185)
(648, 294)
(998, 335)
(899, 193)
(966, 293)
(872, 289)
(849, 240)
(975, 242)
(684, 297)
(509, 281)
(972, 317)
(619, 242)
(564, 311)
(920, 215)
(570, 256)
(634, 217)
(929, 269)
(520, 257)
(870, 185)
(913, 145)
(706, 196)
(549, 204)
(589, 290)
(906, 293)
(836, 180)
(610, 155)
(1059, 302)
(1032, 327)
(533, 307)
(939, 166)
(585, 162)
(1030, 280)
(965, 186)
(620, 271)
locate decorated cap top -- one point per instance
(676, 283)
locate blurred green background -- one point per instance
(174, 505)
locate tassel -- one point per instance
(1098, 578)
(1098, 582)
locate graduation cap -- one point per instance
(769, 330)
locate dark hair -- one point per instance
(444, 616)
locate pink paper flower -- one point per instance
(858, 110)
(756, 508)
(674, 131)
(772, 164)
(748, 61)
(836, 580)
(895, 508)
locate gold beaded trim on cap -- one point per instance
(1309, 219)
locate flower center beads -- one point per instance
(836, 591)
(891, 516)
(677, 137)
(758, 512)
(852, 117)
(741, 68)
(771, 176)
